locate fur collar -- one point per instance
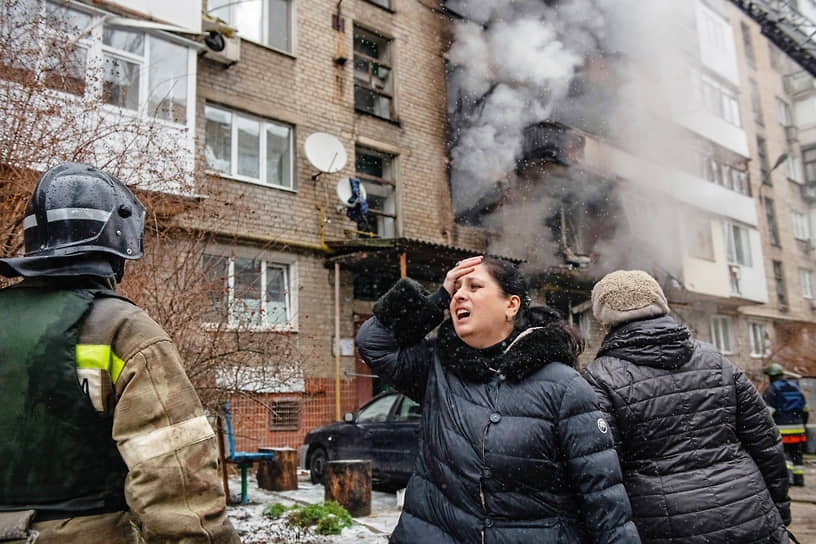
(517, 356)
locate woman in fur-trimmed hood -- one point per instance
(702, 460)
(513, 447)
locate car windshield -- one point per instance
(377, 411)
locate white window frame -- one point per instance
(722, 333)
(793, 168)
(234, 6)
(96, 50)
(801, 229)
(783, 113)
(732, 231)
(720, 101)
(806, 283)
(264, 122)
(758, 336)
(285, 261)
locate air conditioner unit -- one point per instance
(792, 133)
(229, 54)
(222, 41)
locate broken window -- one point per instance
(373, 76)
(779, 281)
(376, 170)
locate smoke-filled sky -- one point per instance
(514, 63)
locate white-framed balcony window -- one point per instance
(268, 22)
(737, 244)
(801, 229)
(720, 100)
(806, 282)
(249, 291)
(760, 342)
(149, 73)
(248, 147)
(721, 335)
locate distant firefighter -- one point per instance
(102, 436)
(790, 412)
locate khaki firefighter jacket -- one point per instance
(132, 373)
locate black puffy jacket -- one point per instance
(500, 461)
(702, 459)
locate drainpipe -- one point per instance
(337, 338)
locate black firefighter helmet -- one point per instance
(79, 221)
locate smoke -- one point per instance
(612, 68)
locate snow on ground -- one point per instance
(254, 528)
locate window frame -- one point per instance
(264, 122)
(779, 283)
(233, 320)
(720, 101)
(783, 113)
(92, 42)
(801, 228)
(809, 164)
(757, 333)
(720, 324)
(764, 165)
(385, 219)
(771, 222)
(731, 230)
(291, 27)
(371, 61)
(806, 283)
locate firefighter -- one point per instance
(787, 405)
(102, 436)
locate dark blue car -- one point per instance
(384, 430)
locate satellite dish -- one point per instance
(344, 192)
(324, 152)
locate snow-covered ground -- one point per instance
(254, 528)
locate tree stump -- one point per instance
(349, 483)
(279, 474)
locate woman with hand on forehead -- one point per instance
(512, 447)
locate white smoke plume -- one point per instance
(514, 64)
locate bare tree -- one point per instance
(60, 103)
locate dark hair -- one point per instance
(566, 341)
(509, 278)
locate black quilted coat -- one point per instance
(516, 457)
(701, 457)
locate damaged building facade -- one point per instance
(688, 160)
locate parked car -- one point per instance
(384, 430)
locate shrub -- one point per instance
(330, 517)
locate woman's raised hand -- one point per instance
(462, 268)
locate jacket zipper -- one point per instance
(484, 441)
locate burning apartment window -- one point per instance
(809, 160)
(806, 282)
(764, 166)
(721, 335)
(376, 170)
(723, 174)
(737, 245)
(770, 217)
(247, 292)
(248, 148)
(284, 415)
(373, 76)
(760, 342)
(747, 44)
(263, 21)
(779, 282)
(801, 229)
(756, 103)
